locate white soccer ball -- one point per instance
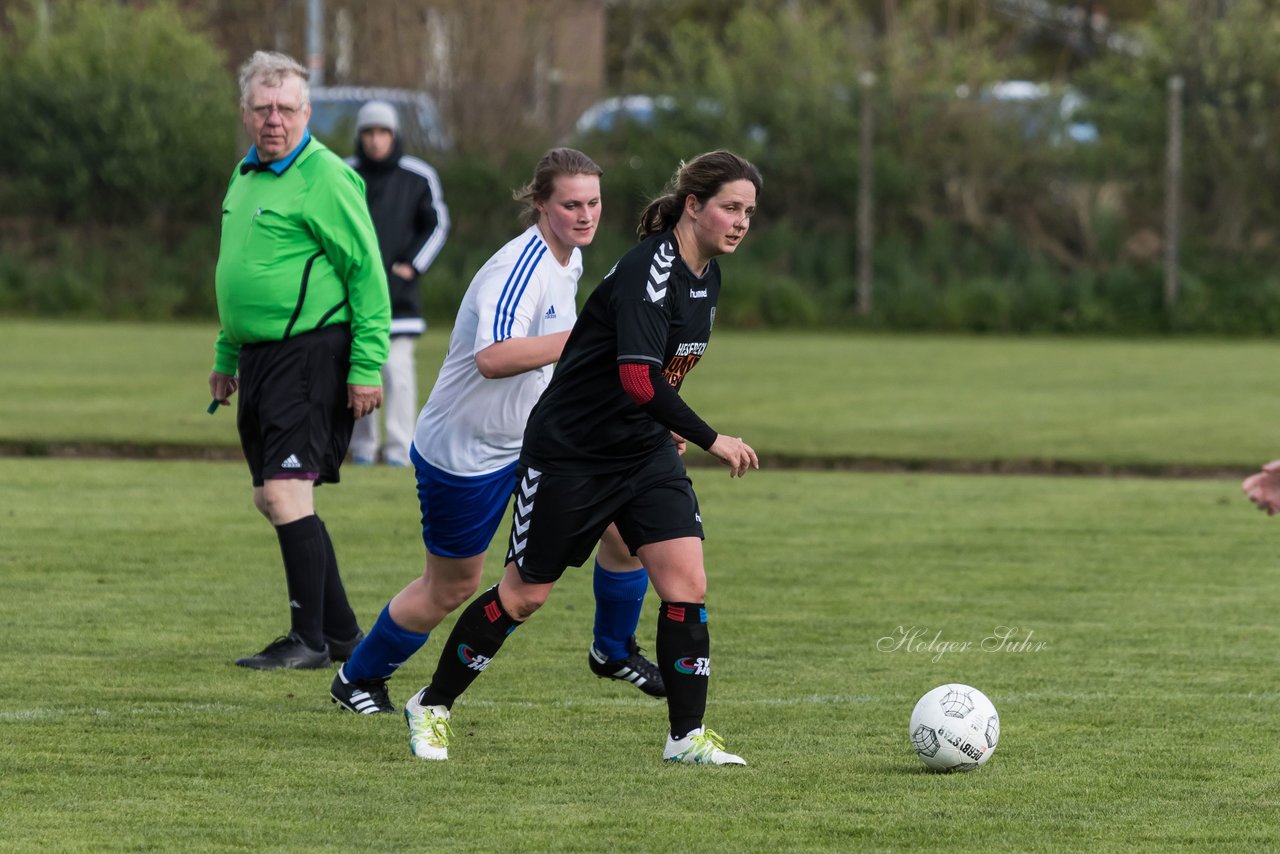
(954, 728)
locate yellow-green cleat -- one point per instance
(428, 729)
(700, 747)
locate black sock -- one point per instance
(475, 640)
(684, 657)
(339, 620)
(303, 549)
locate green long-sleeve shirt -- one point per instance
(298, 253)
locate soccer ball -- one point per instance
(954, 728)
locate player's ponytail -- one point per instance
(659, 215)
(702, 177)
(556, 162)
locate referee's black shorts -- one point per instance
(556, 520)
(293, 417)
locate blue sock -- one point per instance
(385, 648)
(619, 598)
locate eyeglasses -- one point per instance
(286, 113)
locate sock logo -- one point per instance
(678, 614)
(691, 666)
(472, 659)
(492, 611)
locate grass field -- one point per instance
(808, 395)
(1144, 722)
(1134, 685)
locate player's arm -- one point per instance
(644, 383)
(517, 355)
(508, 303)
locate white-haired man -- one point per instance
(304, 314)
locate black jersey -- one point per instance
(649, 309)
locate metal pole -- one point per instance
(1173, 193)
(43, 22)
(315, 41)
(866, 138)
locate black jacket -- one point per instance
(411, 219)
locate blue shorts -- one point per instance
(460, 514)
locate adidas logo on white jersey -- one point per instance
(551, 314)
(291, 462)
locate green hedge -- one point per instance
(119, 126)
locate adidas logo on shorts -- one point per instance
(291, 462)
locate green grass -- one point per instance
(1151, 402)
(1145, 723)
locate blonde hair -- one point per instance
(271, 67)
(556, 162)
(702, 177)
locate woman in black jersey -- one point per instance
(603, 445)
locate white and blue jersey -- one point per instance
(471, 425)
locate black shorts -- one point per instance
(293, 417)
(556, 520)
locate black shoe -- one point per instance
(341, 650)
(635, 668)
(362, 696)
(287, 652)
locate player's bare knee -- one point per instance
(451, 596)
(261, 503)
(272, 506)
(522, 603)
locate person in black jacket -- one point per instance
(410, 217)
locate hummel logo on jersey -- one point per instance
(473, 659)
(660, 271)
(551, 314)
(702, 294)
(691, 666)
(291, 462)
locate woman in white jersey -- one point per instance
(512, 324)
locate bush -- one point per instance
(113, 114)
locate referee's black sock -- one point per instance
(302, 545)
(475, 640)
(684, 657)
(339, 620)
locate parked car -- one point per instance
(1045, 112)
(334, 108)
(644, 110)
(649, 111)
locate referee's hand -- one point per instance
(222, 386)
(363, 399)
(734, 453)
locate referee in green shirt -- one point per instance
(305, 317)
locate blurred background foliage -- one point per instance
(121, 129)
